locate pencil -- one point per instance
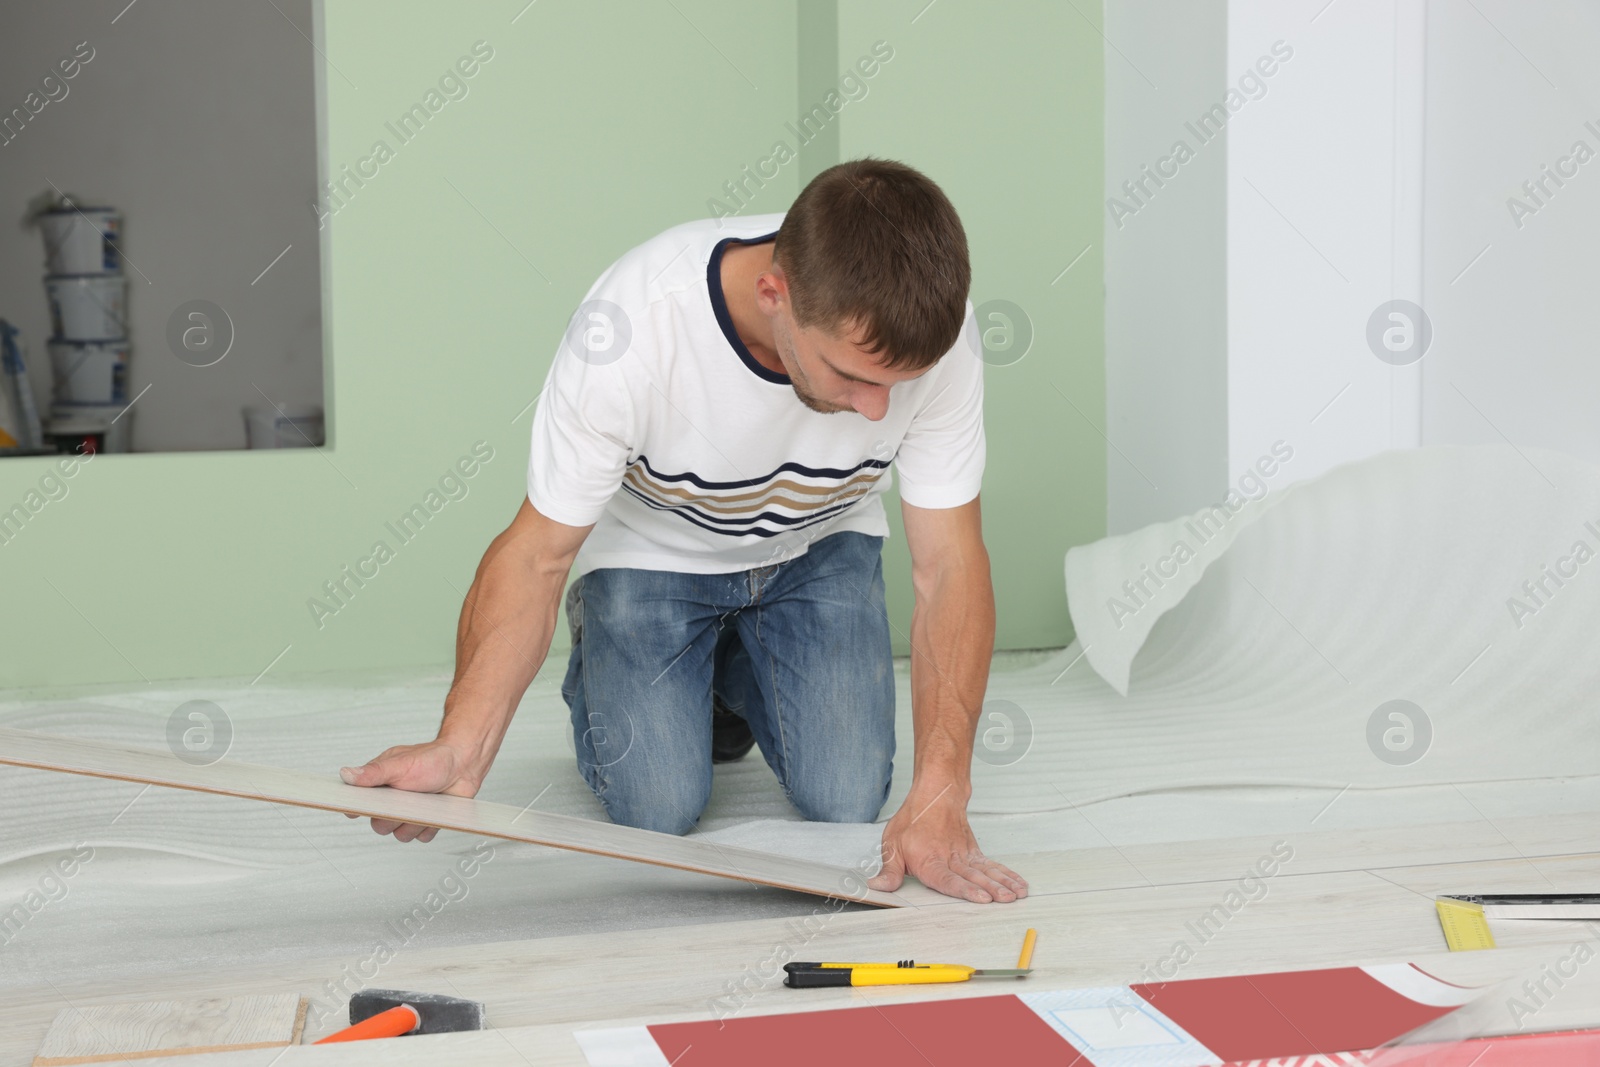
(1025, 960)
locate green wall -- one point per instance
(1002, 104)
(452, 274)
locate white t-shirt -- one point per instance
(658, 426)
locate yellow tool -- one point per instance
(1465, 928)
(1025, 960)
(905, 972)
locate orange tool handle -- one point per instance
(400, 1019)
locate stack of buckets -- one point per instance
(89, 348)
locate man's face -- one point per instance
(831, 372)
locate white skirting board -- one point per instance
(307, 790)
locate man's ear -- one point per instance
(772, 290)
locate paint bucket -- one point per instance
(90, 372)
(89, 428)
(81, 240)
(88, 307)
(283, 426)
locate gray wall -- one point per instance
(1165, 265)
(196, 119)
(1515, 346)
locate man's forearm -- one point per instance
(952, 643)
(502, 638)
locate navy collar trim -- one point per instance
(719, 307)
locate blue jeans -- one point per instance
(799, 649)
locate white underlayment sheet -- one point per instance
(1463, 580)
(1383, 580)
(1404, 577)
(1387, 579)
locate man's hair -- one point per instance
(876, 245)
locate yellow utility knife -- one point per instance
(905, 972)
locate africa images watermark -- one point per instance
(453, 85)
(1005, 734)
(1399, 732)
(1252, 486)
(53, 89)
(51, 888)
(1251, 85)
(852, 87)
(739, 992)
(1539, 190)
(341, 589)
(1537, 592)
(52, 486)
(452, 888)
(199, 732)
(1251, 887)
(1540, 991)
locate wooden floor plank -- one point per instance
(1105, 915)
(302, 789)
(1309, 851)
(538, 991)
(106, 1033)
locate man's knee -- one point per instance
(661, 820)
(848, 799)
(667, 804)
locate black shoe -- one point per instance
(731, 738)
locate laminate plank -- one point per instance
(1309, 852)
(102, 1033)
(1111, 936)
(1350, 896)
(552, 1044)
(301, 789)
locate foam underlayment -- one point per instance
(1247, 711)
(1464, 580)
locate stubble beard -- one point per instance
(810, 400)
(819, 406)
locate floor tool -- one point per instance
(1533, 905)
(906, 972)
(1465, 927)
(395, 1013)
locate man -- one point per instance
(710, 450)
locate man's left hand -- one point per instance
(931, 840)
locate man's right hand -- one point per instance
(501, 640)
(434, 767)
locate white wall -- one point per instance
(1377, 163)
(1238, 292)
(1322, 195)
(196, 119)
(1166, 342)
